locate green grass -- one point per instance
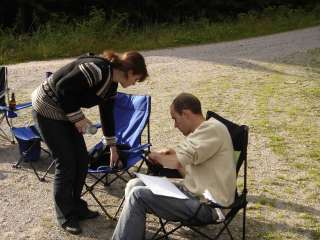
(60, 39)
(282, 110)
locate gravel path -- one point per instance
(26, 205)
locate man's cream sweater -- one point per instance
(207, 156)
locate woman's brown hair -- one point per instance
(128, 61)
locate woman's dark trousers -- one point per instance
(69, 148)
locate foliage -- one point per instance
(27, 15)
(65, 37)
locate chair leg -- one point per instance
(203, 234)
(115, 178)
(140, 165)
(23, 156)
(12, 135)
(244, 223)
(10, 126)
(228, 231)
(162, 228)
(35, 171)
(167, 233)
(3, 134)
(89, 188)
(99, 203)
(118, 210)
(42, 179)
(17, 164)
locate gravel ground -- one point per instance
(26, 204)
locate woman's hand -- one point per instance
(114, 158)
(82, 125)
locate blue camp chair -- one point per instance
(131, 114)
(7, 114)
(29, 141)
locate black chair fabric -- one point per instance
(3, 85)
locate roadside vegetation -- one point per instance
(60, 38)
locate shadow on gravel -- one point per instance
(9, 153)
(255, 230)
(285, 205)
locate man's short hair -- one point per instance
(187, 101)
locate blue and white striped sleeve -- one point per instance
(92, 73)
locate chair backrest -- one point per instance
(3, 85)
(131, 114)
(239, 136)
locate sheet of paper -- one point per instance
(209, 196)
(161, 186)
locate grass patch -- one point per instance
(283, 115)
(60, 39)
(312, 224)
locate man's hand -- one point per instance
(167, 151)
(153, 157)
(82, 125)
(165, 157)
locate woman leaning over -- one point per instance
(86, 82)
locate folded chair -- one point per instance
(239, 135)
(6, 113)
(30, 148)
(131, 114)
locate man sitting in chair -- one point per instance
(204, 159)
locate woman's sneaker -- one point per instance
(72, 226)
(88, 214)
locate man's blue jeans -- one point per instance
(140, 201)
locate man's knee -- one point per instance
(131, 184)
(139, 193)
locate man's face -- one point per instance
(180, 121)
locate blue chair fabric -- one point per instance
(131, 115)
(29, 141)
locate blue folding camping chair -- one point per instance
(7, 113)
(29, 141)
(131, 115)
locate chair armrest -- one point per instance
(23, 105)
(137, 149)
(4, 108)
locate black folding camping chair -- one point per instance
(239, 135)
